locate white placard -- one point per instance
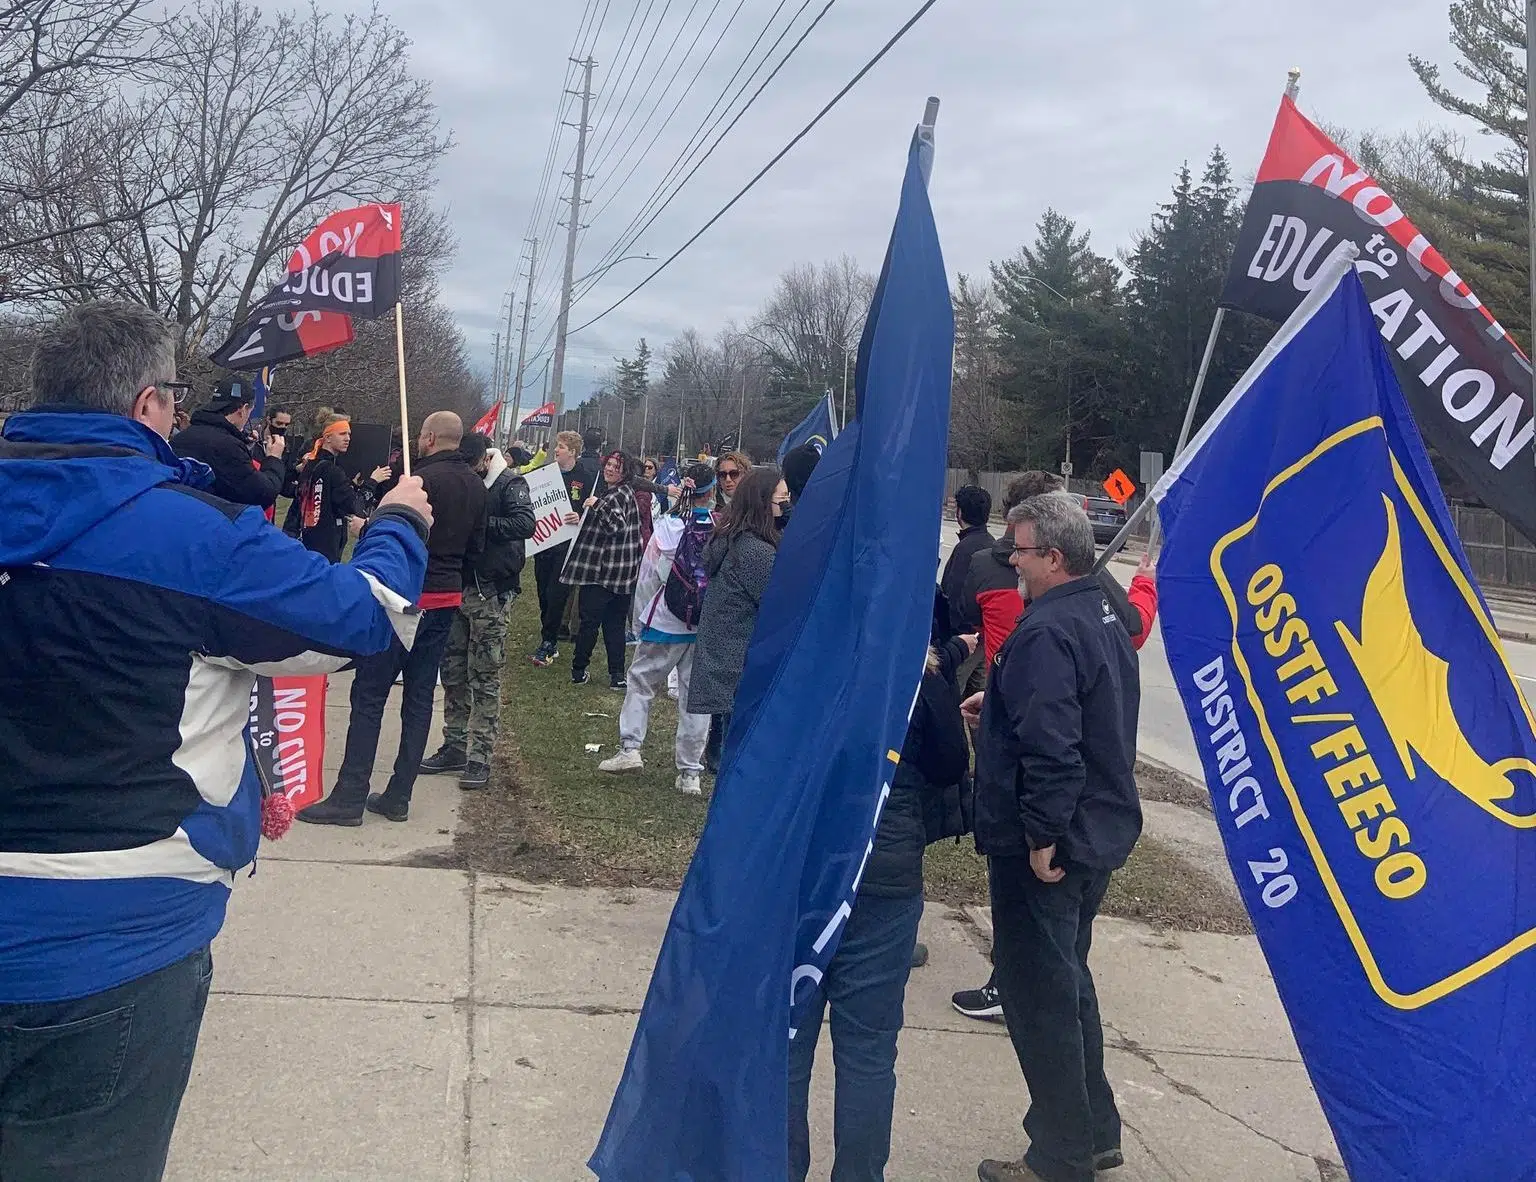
(550, 505)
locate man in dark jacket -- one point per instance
(973, 510)
(454, 544)
(1056, 813)
(217, 437)
(477, 641)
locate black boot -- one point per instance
(476, 775)
(332, 811)
(447, 759)
(387, 807)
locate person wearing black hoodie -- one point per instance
(477, 641)
(216, 436)
(866, 980)
(457, 538)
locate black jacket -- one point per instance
(583, 478)
(458, 518)
(934, 762)
(508, 524)
(973, 539)
(326, 498)
(1056, 750)
(219, 444)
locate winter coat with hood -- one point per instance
(217, 442)
(935, 759)
(738, 570)
(136, 610)
(509, 523)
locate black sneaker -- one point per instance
(476, 775)
(447, 759)
(331, 812)
(1108, 1159)
(578, 678)
(618, 683)
(983, 1003)
(390, 810)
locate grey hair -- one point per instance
(101, 355)
(1060, 524)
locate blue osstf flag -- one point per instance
(1371, 759)
(835, 662)
(263, 386)
(819, 428)
(669, 475)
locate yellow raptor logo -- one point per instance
(1410, 686)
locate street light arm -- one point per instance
(1070, 301)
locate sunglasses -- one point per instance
(730, 473)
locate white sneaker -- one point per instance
(624, 761)
(688, 784)
(673, 684)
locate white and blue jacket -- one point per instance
(135, 611)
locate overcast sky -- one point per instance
(1088, 107)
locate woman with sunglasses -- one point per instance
(730, 471)
(604, 563)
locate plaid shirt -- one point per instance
(606, 552)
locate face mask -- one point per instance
(784, 511)
(278, 431)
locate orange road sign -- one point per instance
(1120, 487)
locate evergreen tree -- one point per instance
(1480, 221)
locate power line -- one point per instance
(630, 234)
(783, 152)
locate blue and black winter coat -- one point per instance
(135, 611)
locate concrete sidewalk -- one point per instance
(377, 1018)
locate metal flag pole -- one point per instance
(405, 414)
(1292, 88)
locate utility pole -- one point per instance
(496, 364)
(573, 227)
(522, 344)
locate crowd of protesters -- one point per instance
(121, 872)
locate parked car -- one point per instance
(1107, 518)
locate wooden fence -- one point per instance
(1499, 554)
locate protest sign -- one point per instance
(550, 505)
(287, 728)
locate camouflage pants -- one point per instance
(471, 672)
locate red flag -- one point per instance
(487, 424)
(348, 265)
(542, 417)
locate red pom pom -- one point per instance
(276, 816)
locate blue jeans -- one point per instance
(866, 984)
(89, 1088)
(370, 694)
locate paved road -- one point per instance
(1165, 735)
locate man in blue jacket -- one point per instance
(136, 610)
(1056, 813)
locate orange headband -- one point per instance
(327, 433)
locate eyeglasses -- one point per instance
(729, 473)
(1041, 550)
(177, 390)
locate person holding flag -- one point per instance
(216, 436)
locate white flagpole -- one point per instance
(405, 414)
(1292, 88)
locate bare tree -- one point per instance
(982, 424)
(811, 324)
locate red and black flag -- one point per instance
(349, 265)
(542, 417)
(1466, 380)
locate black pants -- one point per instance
(1041, 933)
(89, 1089)
(714, 747)
(601, 608)
(552, 592)
(370, 695)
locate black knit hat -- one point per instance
(799, 463)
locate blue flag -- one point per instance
(835, 663)
(818, 428)
(1371, 759)
(263, 386)
(669, 474)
